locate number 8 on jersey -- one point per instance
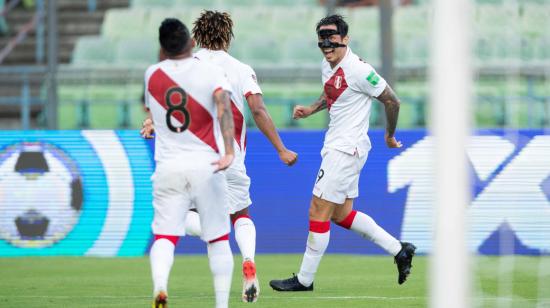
(177, 107)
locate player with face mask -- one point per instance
(349, 86)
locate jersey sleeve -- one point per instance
(368, 80)
(250, 82)
(146, 95)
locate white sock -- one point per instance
(192, 224)
(221, 265)
(245, 235)
(317, 243)
(162, 258)
(367, 228)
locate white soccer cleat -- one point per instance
(251, 287)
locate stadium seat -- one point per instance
(152, 3)
(157, 15)
(124, 23)
(262, 51)
(413, 95)
(302, 51)
(69, 113)
(286, 22)
(100, 106)
(71, 97)
(362, 19)
(248, 3)
(280, 2)
(93, 50)
(137, 115)
(535, 19)
(142, 52)
(368, 50)
(251, 21)
(201, 3)
(407, 113)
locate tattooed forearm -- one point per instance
(226, 120)
(391, 106)
(320, 104)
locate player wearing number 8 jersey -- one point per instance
(349, 86)
(189, 104)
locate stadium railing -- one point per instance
(23, 76)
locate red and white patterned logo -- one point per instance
(338, 82)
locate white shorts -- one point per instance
(338, 177)
(238, 185)
(190, 180)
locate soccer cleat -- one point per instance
(161, 300)
(290, 284)
(251, 287)
(403, 259)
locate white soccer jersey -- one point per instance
(243, 82)
(180, 98)
(350, 87)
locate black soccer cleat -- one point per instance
(290, 284)
(403, 259)
(250, 295)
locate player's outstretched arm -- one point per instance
(391, 106)
(225, 117)
(302, 112)
(265, 124)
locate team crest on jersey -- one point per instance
(338, 82)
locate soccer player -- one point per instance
(185, 96)
(349, 86)
(213, 32)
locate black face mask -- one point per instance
(325, 36)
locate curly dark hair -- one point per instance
(213, 30)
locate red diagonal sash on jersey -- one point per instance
(238, 118)
(201, 122)
(335, 86)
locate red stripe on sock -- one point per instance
(346, 223)
(172, 238)
(319, 226)
(221, 238)
(234, 219)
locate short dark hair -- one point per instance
(336, 20)
(213, 30)
(173, 36)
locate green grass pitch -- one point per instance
(342, 281)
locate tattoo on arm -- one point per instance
(391, 106)
(226, 120)
(320, 104)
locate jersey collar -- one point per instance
(343, 61)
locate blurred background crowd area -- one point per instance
(103, 47)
